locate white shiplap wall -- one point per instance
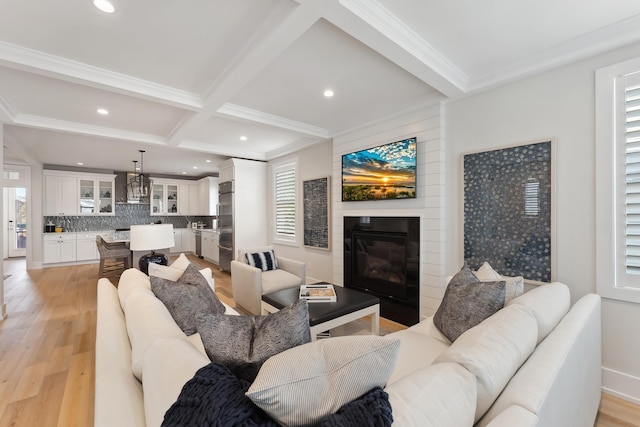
(427, 124)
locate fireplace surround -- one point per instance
(382, 258)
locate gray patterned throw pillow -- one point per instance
(244, 343)
(189, 296)
(467, 302)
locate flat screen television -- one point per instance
(380, 173)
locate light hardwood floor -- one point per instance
(47, 349)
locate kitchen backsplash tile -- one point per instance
(126, 215)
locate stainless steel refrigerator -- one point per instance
(225, 225)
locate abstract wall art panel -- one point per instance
(316, 212)
(509, 209)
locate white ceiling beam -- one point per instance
(47, 123)
(266, 45)
(221, 150)
(56, 67)
(383, 32)
(272, 120)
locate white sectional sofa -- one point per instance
(536, 362)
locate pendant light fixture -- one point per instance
(139, 186)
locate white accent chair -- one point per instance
(250, 283)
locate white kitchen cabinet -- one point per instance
(208, 195)
(59, 247)
(226, 171)
(96, 196)
(188, 240)
(60, 195)
(86, 249)
(210, 246)
(78, 193)
(171, 197)
(177, 239)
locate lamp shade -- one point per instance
(149, 237)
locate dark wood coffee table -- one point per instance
(350, 305)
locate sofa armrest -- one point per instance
(514, 416)
(246, 283)
(294, 267)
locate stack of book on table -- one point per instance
(318, 293)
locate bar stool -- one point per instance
(114, 257)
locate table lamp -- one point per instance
(150, 237)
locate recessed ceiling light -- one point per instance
(184, 173)
(208, 161)
(80, 164)
(328, 93)
(195, 167)
(104, 5)
(102, 111)
(243, 138)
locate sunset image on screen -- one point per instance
(384, 172)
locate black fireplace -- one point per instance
(382, 258)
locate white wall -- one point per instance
(313, 162)
(559, 104)
(427, 125)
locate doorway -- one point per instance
(15, 220)
(15, 211)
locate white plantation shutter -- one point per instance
(285, 202)
(617, 183)
(632, 175)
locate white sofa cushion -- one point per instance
(494, 350)
(118, 394)
(168, 365)
(147, 321)
(417, 351)
(303, 384)
(549, 303)
(427, 327)
(132, 281)
(436, 396)
(570, 355)
(276, 280)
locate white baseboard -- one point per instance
(621, 385)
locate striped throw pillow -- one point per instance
(265, 261)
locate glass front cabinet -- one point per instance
(168, 198)
(96, 196)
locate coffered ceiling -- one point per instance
(185, 80)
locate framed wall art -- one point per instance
(509, 210)
(316, 207)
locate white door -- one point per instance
(15, 220)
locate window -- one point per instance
(532, 197)
(618, 181)
(285, 189)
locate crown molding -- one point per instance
(386, 23)
(587, 45)
(76, 72)
(39, 122)
(272, 120)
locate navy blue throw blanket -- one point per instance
(215, 397)
(372, 409)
